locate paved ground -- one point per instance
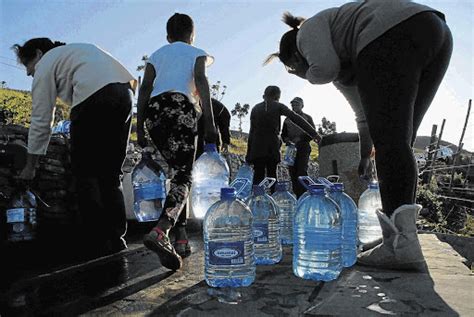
(133, 283)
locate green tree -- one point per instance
(240, 111)
(218, 90)
(326, 127)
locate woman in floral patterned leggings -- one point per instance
(174, 94)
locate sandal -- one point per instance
(158, 242)
(183, 248)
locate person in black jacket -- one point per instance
(291, 133)
(222, 123)
(263, 149)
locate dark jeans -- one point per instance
(398, 75)
(264, 168)
(300, 168)
(100, 127)
(171, 120)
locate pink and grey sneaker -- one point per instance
(182, 247)
(158, 242)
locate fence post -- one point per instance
(427, 176)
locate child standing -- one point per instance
(174, 94)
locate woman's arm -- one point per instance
(143, 98)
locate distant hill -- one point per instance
(422, 142)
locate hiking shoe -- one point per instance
(183, 248)
(158, 242)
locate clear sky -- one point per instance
(240, 35)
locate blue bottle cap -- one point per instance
(282, 186)
(210, 147)
(227, 193)
(374, 185)
(317, 188)
(337, 187)
(258, 190)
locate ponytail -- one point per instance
(27, 52)
(288, 40)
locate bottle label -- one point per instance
(226, 253)
(15, 215)
(260, 233)
(149, 192)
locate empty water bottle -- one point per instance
(286, 203)
(245, 172)
(149, 188)
(317, 237)
(349, 223)
(228, 242)
(290, 155)
(266, 227)
(369, 226)
(210, 174)
(21, 216)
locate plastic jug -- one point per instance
(245, 172)
(286, 203)
(210, 174)
(317, 244)
(369, 226)
(228, 242)
(149, 188)
(266, 227)
(21, 216)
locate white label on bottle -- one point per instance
(15, 215)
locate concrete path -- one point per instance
(448, 290)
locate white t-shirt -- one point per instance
(174, 68)
(72, 72)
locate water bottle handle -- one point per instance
(267, 182)
(336, 178)
(306, 181)
(239, 180)
(325, 182)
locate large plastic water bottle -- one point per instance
(290, 155)
(21, 216)
(286, 203)
(349, 223)
(210, 174)
(306, 181)
(369, 226)
(149, 188)
(228, 242)
(245, 172)
(266, 227)
(317, 237)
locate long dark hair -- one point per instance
(288, 40)
(27, 52)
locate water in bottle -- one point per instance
(290, 155)
(21, 216)
(306, 181)
(228, 242)
(210, 174)
(266, 227)
(149, 188)
(317, 242)
(245, 172)
(369, 226)
(286, 203)
(349, 223)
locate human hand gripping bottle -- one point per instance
(149, 188)
(369, 225)
(228, 242)
(210, 174)
(286, 203)
(317, 243)
(349, 221)
(266, 228)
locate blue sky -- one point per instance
(239, 34)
